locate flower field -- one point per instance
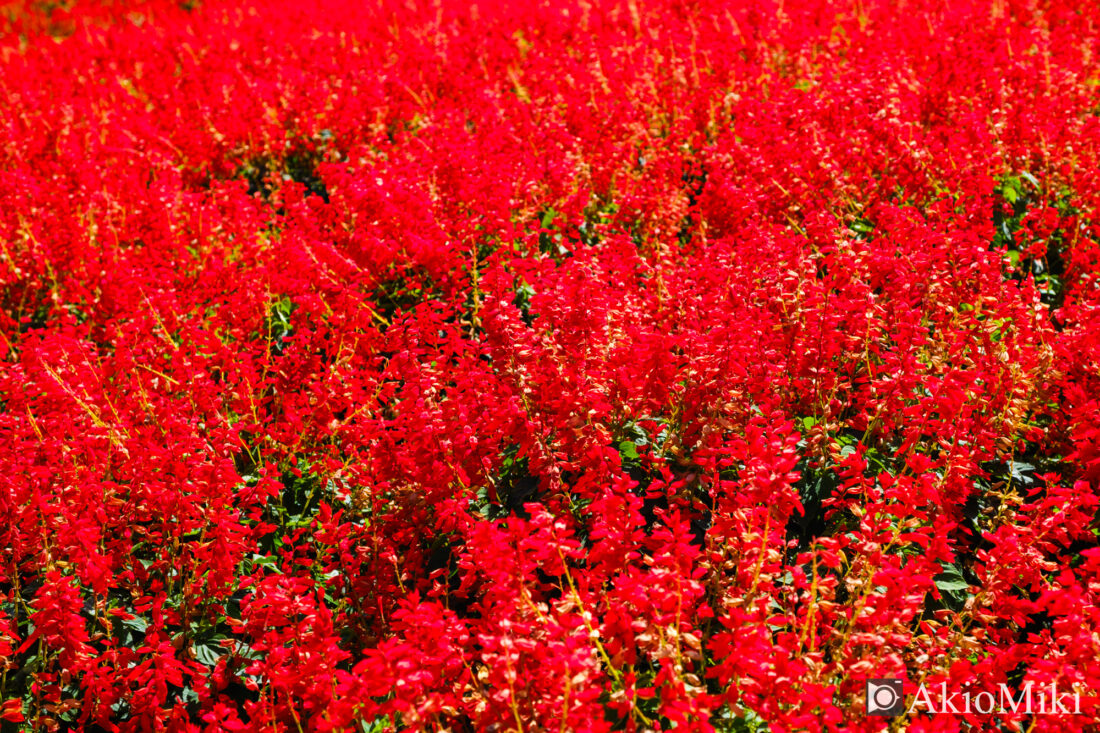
(539, 365)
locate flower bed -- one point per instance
(572, 366)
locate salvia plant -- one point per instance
(549, 365)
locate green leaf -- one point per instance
(377, 725)
(137, 623)
(208, 654)
(951, 580)
(1019, 472)
(628, 450)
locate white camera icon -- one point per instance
(885, 697)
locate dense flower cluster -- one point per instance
(532, 365)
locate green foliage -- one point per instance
(277, 326)
(1023, 193)
(298, 163)
(513, 486)
(401, 292)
